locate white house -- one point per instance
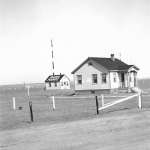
(97, 74)
(60, 81)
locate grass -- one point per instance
(127, 130)
(68, 108)
(74, 124)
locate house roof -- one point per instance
(54, 78)
(107, 63)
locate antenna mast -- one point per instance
(53, 70)
(120, 55)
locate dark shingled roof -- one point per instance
(107, 63)
(54, 78)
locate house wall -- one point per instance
(86, 71)
(65, 83)
(60, 85)
(53, 87)
(113, 84)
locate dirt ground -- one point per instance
(124, 131)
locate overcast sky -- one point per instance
(79, 29)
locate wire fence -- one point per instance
(67, 108)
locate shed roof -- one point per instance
(54, 78)
(107, 63)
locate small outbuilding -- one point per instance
(99, 74)
(60, 81)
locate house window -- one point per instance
(66, 83)
(61, 83)
(90, 64)
(79, 79)
(114, 75)
(49, 84)
(94, 78)
(103, 77)
(55, 84)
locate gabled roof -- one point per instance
(133, 66)
(107, 63)
(54, 78)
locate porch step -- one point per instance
(121, 90)
(129, 90)
(136, 90)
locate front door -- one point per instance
(122, 80)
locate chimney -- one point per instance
(112, 56)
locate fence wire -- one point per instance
(68, 108)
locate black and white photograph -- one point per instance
(74, 74)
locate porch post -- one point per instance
(126, 79)
(128, 74)
(135, 79)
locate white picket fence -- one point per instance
(104, 106)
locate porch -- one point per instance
(127, 79)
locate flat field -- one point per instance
(74, 124)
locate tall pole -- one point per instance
(53, 67)
(120, 55)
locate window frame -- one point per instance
(94, 78)
(104, 80)
(79, 79)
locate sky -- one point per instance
(78, 28)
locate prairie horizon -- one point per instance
(142, 83)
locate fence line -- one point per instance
(122, 100)
(113, 96)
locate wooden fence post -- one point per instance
(53, 102)
(28, 91)
(31, 112)
(102, 98)
(14, 103)
(97, 105)
(139, 101)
